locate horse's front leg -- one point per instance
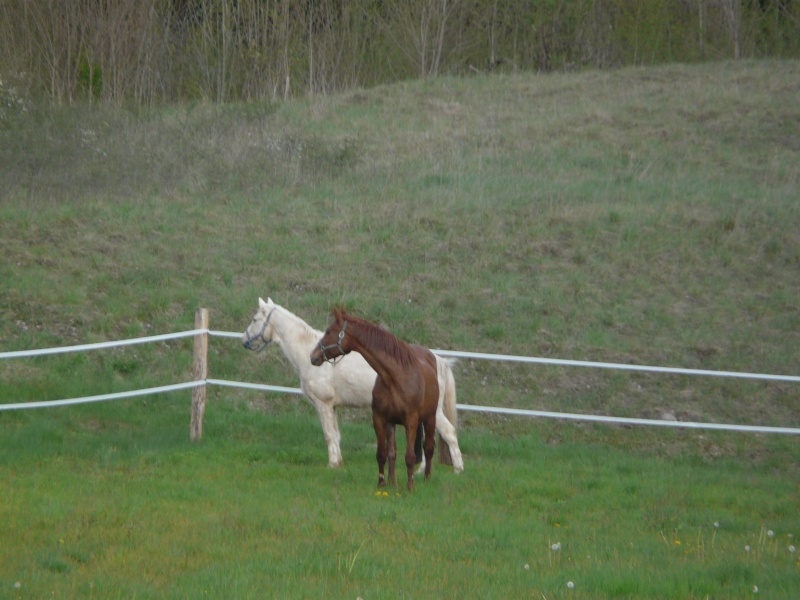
(380, 434)
(391, 447)
(330, 429)
(411, 455)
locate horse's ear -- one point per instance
(261, 301)
(344, 313)
(337, 314)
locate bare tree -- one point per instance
(153, 50)
(733, 14)
(55, 41)
(418, 29)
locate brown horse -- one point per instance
(406, 390)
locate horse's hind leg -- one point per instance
(391, 447)
(411, 456)
(448, 433)
(430, 442)
(418, 450)
(381, 454)
(418, 444)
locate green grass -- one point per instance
(112, 503)
(648, 216)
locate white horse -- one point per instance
(347, 383)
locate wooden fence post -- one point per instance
(199, 373)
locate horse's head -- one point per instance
(259, 333)
(332, 344)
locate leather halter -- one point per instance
(260, 334)
(337, 345)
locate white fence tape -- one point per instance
(103, 397)
(255, 386)
(445, 353)
(619, 366)
(627, 420)
(225, 334)
(101, 345)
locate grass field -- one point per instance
(648, 216)
(111, 502)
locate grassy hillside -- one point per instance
(648, 216)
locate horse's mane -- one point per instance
(308, 332)
(380, 339)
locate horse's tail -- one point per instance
(448, 404)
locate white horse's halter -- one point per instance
(338, 345)
(248, 343)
